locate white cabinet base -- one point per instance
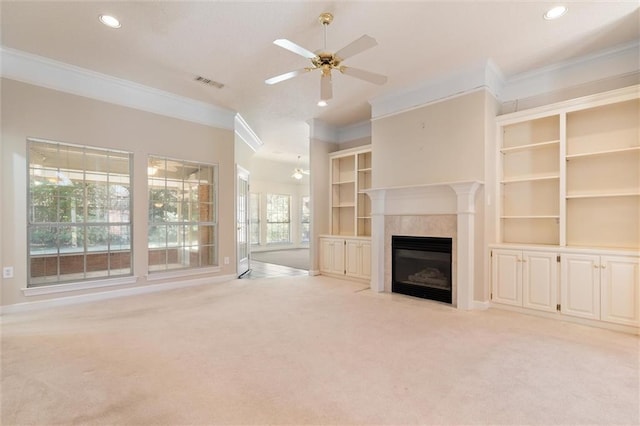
(346, 258)
(595, 287)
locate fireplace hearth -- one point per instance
(421, 267)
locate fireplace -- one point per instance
(421, 267)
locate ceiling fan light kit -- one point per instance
(298, 172)
(326, 61)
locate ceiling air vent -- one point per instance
(209, 82)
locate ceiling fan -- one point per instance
(327, 61)
(298, 172)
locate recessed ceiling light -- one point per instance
(322, 103)
(109, 21)
(555, 12)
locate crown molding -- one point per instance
(244, 132)
(610, 63)
(485, 75)
(45, 72)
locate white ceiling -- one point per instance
(166, 44)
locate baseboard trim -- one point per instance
(314, 272)
(106, 295)
(481, 306)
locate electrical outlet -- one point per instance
(226, 260)
(7, 272)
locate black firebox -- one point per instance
(421, 267)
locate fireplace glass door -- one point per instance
(421, 267)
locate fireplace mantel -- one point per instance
(431, 199)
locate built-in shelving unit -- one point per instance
(346, 252)
(350, 206)
(570, 176)
(568, 192)
(603, 175)
(530, 180)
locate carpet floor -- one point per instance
(308, 350)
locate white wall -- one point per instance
(32, 111)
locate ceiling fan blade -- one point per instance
(326, 90)
(371, 77)
(292, 47)
(360, 45)
(286, 76)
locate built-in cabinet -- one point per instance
(345, 257)
(346, 251)
(332, 252)
(568, 193)
(358, 259)
(601, 287)
(525, 278)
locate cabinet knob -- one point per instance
(595, 266)
(603, 266)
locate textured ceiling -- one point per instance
(166, 44)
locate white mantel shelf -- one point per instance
(433, 198)
(430, 199)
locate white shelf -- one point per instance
(531, 178)
(341, 205)
(530, 217)
(364, 217)
(365, 170)
(344, 182)
(603, 195)
(607, 152)
(529, 146)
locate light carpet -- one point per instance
(309, 350)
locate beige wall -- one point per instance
(441, 142)
(31, 111)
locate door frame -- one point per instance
(243, 264)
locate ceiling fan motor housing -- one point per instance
(324, 59)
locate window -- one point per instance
(305, 219)
(182, 214)
(278, 218)
(254, 207)
(79, 213)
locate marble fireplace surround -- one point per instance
(436, 210)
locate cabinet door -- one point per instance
(539, 281)
(365, 251)
(332, 255)
(620, 279)
(352, 263)
(580, 285)
(358, 259)
(507, 277)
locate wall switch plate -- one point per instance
(226, 260)
(7, 272)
